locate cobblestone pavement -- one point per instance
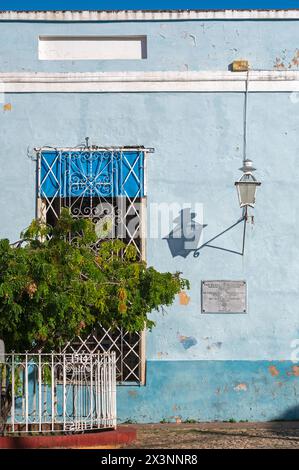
(273, 435)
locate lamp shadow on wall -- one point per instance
(186, 235)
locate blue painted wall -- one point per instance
(172, 45)
(212, 391)
(198, 142)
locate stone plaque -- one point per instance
(223, 297)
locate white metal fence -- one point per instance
(59, 392)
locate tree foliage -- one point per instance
(52, 289)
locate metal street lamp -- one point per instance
(246, 188)
(247, 184)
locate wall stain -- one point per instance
(176, 408)
(273, 371)
(132, 393)
(160, 354)
(7, 107)
(214, 345)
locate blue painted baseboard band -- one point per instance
(213, 391)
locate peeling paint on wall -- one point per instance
(193, 37)
(294, 372)
(279, 65)
(184, 298)
(187, 341)
(273, 371)
(241, 388)
(190, 37)
(283, 63)
(295, 59)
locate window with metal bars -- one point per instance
(106, 185)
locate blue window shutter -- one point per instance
(50, 175)
(130, 179)
(92, 173)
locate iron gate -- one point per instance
(59, 392)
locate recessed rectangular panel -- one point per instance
(223, 297)
(92, 47)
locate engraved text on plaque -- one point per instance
(223, 297)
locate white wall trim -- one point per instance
(101, 82)
(145, 15)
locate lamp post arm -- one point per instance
(243, 218)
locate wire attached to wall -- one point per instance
(245, 117)
(245, 210)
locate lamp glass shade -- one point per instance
(246, 192)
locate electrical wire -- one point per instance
(245, 117)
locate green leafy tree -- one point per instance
(52, 289)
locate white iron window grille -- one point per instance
(126, 346)
(59, 392)
(106, 185)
